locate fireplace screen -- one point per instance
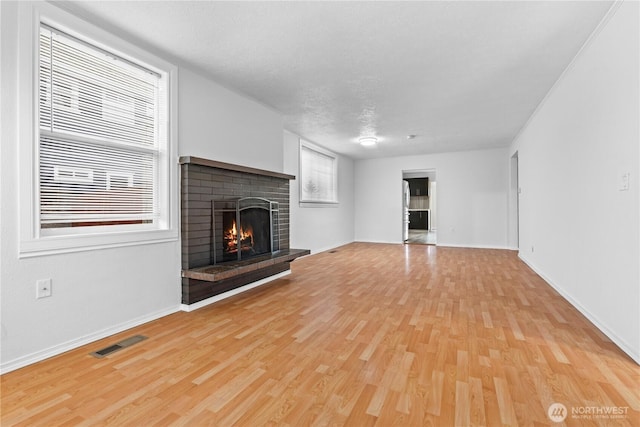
(243, 228)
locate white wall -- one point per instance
(471, 197)
(99, 292)
(584, 135)
(319, 228)
(218, 124)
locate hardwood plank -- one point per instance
(434, 402)
(505, 403)
(476, 404)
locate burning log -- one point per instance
(231, 238)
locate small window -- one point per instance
(119, 179)
(68, 175)
(318, 174)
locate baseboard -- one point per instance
(39, 356)
(621, 343)
(384, 242)
(216, 298)
(329, 248)
(444, 245)
(455, 245)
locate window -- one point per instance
(101, 156)
(318, 174)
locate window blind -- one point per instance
(317, 176)
(99, 120)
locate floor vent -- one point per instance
(118, 346)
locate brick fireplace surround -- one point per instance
(205, 180)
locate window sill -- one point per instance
(53, 245)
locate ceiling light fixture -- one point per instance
(368, 141)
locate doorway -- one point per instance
(419, 209)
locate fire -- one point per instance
(233, 241)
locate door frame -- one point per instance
(430, 173)
(514, 202)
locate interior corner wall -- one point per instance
(471, 197)
(319, 228)
(578, 230)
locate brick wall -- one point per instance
(202, 184)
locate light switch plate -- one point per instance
(43, 288)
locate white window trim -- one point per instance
(318, 203)
(32, 243)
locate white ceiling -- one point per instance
(459, 75)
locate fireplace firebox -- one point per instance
(243, 228)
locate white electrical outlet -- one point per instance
(623, 181)
(43, 288)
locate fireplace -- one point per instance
(243, 228)
(234, 227)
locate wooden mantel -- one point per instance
(228, 166)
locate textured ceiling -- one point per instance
(459, 75)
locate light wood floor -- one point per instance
(372, 334)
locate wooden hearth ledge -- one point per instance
(215, 273)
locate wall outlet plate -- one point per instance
(623, 181)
